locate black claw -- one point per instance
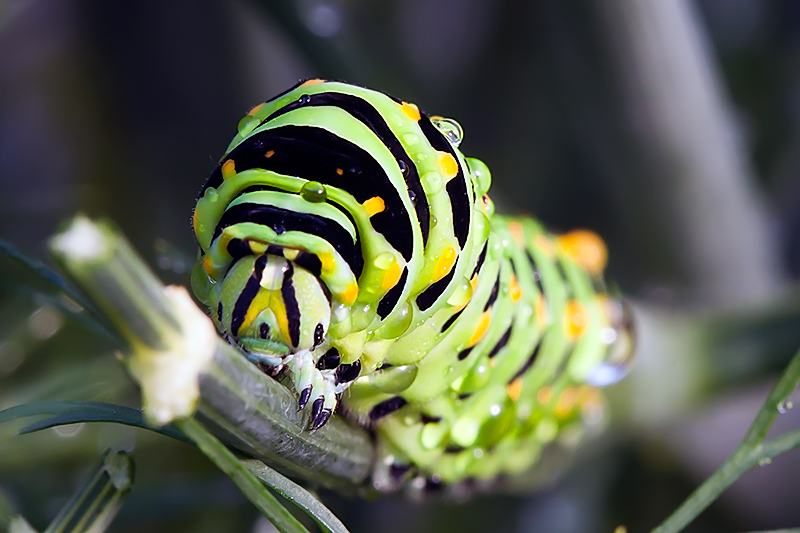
(316, 409)
(320, 421)
(347, 373)
(304, 396)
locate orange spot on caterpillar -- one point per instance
(514, 289)
(481, 329)
(328, 262)
(207, 266)
(392, 276)
(514, 389)
(575, 319)
(195, 221)
(474, 283)
(269, 154)
(517, 233)
(544, 395)
(445, 263)
(256, 109)
(585, 248)
(350, 294)
(410, 110)
(566, 402)
(314, 81)
(339, 171)
(374, 205)
(228, 169)
(447, 164)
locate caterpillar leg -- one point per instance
(314, 387)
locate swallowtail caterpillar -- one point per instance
(347, 241)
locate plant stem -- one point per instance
(750, 452)
(297, 494)
(250, 486)
(244, 407)
(98, 501)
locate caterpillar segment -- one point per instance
(346, 239)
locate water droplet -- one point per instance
(340, 313)
(432, 182)
(784, 406)
(247, 124)
(403, 166)
(384, 260)
(303, 100)
(461, 295)
(481, 176)
(411, 138)
(279, 229)
(495, 410)
(765, 461)
(211, 194)
(412, 196)
(450, 128)
(314, 191)
(68, 431)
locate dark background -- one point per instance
(674, 132)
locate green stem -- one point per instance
(250, 486)
(296, 494)
(244, 407)
(96, 504)
(750, 452)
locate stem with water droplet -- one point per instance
(750, 452)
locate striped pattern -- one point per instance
(466, 339)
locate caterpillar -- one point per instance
(346, 242)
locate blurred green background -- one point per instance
(671, 128)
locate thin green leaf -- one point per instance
(89, 318)
(250, 486)
(297, 495)
(73, 412)
(750, 452)
(44, 272)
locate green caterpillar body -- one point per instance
(346, 240)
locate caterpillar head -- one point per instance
(271, 307)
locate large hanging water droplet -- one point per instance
(303, 100)
(618, 336)
(403, 166)
(450, 128)
(412, 196)
(314, 191)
